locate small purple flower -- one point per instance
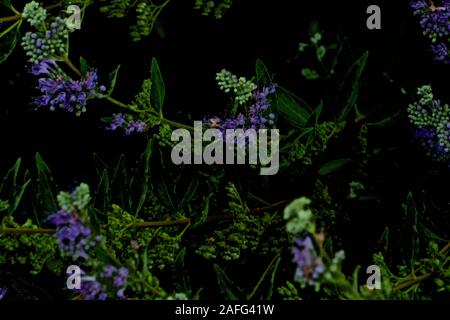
(58, 91)
(92, 290)
(3, 292)
(61, 218)
(441, 52)
(309, 265)
(73, 237)
(256, 116)
(44, 67)
(118, 122)
(135, 126)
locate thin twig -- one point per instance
(408, 283)
(155, 224)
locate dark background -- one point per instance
(195, 48)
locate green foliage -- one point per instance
(243, 234)
(300, 217)
(30, 250)
(350, 87)
(310, 143)
(125, 240)
(213, 7)
(292, 108)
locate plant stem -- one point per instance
(408, 283)
(18, 15)
(176, 124)
(412, 282)
(119, 104)
(18, 22)
(155, 224)
(10, 18)
(72, 66)
(255, 289)
(26, 230)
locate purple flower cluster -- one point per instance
(435, 23)
(441, 52)
(118, 276)
(258, 110)
(59, 91)
(74, 238)
(256, 117)
(110, 279)
(91, 289)
(3, 292)
(309, 265)
(430, 141)
(129, 126)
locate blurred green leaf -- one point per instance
(102, 198)
(292, 108)
(350, 87)
(45, 187)
(113, 80)
(190, 192)
(84, 67)
(8, 40)
(310, 74)
(314, 117)
(158, 88)
(226, 286)
(262, 74)
(145, 185)
(333, 166)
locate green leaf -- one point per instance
(225, 284)
(8, 40)
(113, 80)
(310, 74)
(262, 74)
(9, 182)
(411, 217)
(272, 279)
(387, 122)
(333, 166)
(204, 213)
(350, 87)
(84, 67)
(146, 176)
(315, 115)
(12, 189)
(320, 52)
(102, 200)
(292, 108)
(18, 195)
(158, 88)
(7, 3)
(45, 187)
(274, 264)
(190, 192)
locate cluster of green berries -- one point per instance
(240, 86)
(145, 20)
(306, 151)
(218, 7)
(42, 45)
(34, 13)
(116, 8)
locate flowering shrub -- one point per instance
(350, 196)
